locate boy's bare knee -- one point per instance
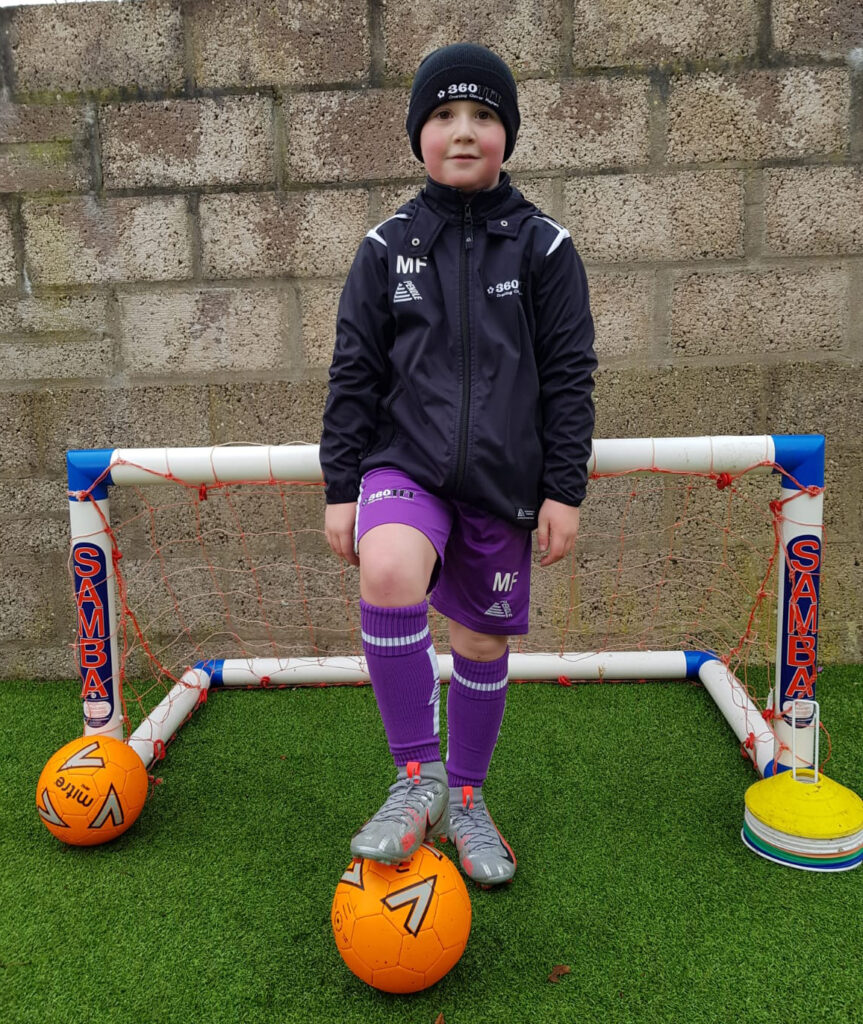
(388, 583)
(476, 646)
(396, 563)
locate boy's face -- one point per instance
(462, 144)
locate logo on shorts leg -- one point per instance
(389, 492)
(500, 610)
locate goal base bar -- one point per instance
(739, 710)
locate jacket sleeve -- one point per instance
(566, 362)
(358, 373)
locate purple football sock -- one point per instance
(403, 665)
(477, 696)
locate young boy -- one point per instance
(459, 419)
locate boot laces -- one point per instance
(474, 823)
(405, 794)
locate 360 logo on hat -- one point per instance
(471, 91)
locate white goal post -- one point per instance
(766, 735)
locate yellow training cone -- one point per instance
(821, 809)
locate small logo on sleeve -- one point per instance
(407, 291)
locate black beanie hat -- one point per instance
(463, 71)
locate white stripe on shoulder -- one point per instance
(373, 233)
(561, 233)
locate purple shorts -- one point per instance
(484, 577)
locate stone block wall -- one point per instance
(183, 184)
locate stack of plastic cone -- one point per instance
(805, 822)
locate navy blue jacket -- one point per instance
(464, 356)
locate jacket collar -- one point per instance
(450, 202)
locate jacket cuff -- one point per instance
(341, 494)
(564, 499)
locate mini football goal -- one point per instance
(699, 558)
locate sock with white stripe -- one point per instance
(404, 670)
(474, 711)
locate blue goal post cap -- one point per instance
(84, 466)
(801, 456)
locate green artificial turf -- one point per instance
(624, 805)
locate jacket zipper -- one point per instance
(464, 256)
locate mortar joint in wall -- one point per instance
(855, 113)
(377, 44)
(7, 62)
(659, 89)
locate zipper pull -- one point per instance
(468, 228)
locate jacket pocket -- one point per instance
(387, 431)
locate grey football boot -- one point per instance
(415, 812)
(485, 855)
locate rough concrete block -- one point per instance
(524, 33)
(540, 192)
(8, 271)
(817, 398)
(395, 196)
(89, 240)
(31, 123)
(79, 47)
(297, 234)
(50, 313)
(32, 359)
(319, 301)
(680, 402)
(269, 42)
(349, 136)
(840, 620)
(139, 417)
(47, 147)
(27, 660)
(45, 167)
(758, 115)
(26, 600)
(268, 412)
(588, 122)
(622, 218)
(615, 33)
(19, 451)
(55, 337)
(224, 141)
(756, 312)
(814, 210)
(34, 516)
(199, 331)
(843, 478)
(622, 307)
(828, 28)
